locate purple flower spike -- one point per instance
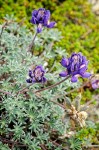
(41, 18)
(95, 81)
(95, 84)
(76, 66)
(36, 75)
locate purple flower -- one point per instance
(95, 84)
(41, 18)
(95, 81)
(76, 66)
(36, 75)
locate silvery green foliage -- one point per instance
(75, 144)
(27, 120)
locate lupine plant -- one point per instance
(37, 111)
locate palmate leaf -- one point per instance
(4, 146)
(68, 102)
(75, 144)
(76, 102)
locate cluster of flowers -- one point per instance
(76, 65)
(95, 81)
(41, 18)
(36, 75)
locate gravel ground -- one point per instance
(95, 7)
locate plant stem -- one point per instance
(51, 86)
(77, 88)
(3, 28)
(91, 146)
(5, 24)
(43, 147)
(32, 44)
(20, 91)
(8, 93)
(73, 90)
(9, 141)
(58, 104)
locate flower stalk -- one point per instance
(51, 86)
(32, 44)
